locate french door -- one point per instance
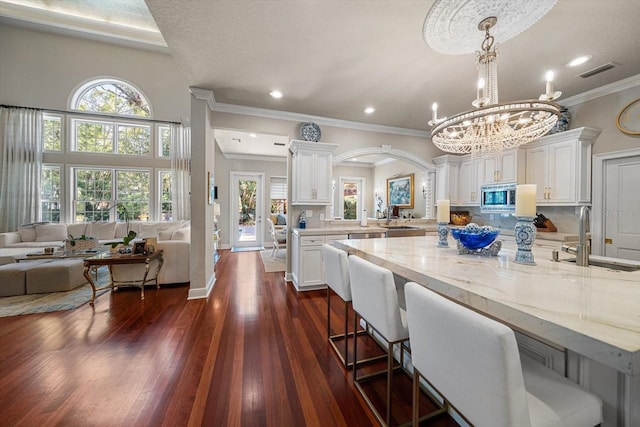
(247, 205)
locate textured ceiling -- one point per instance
(332, 58)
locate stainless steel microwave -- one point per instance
(498, 198)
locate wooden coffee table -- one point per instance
(112, 260)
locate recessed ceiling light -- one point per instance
(579, 60)
(276, 94)
(253, 135)
(369, 110)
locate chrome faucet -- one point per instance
(582, 250)
(389, 213)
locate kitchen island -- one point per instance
(307, 270)
(590, 314)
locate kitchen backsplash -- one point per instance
(565, 218)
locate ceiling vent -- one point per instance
(238, 140)
(598, 70)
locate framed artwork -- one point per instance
(400, 191)
(211, 189)
(139, 247)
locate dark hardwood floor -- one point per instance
(254, 354)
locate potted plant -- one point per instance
(81, 243)
(130, 236)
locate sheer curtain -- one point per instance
(20, 166)
(181, 171)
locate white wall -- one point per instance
(42, 70)
(601, 113)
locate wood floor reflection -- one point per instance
(254, 354)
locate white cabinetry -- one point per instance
(458, 178)
(447, 174)
(311, 172)
(470, 178)
(307, 267)
(560, 166)
(508, 168)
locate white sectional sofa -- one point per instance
(174, 238)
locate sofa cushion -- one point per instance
(182, 234)
(102, 230)
(151, 229)
(51, 232)
(77, 229)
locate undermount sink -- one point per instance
(610, 263)
(404, 231)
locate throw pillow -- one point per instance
(282, 219)
(182, 234)
(102, 230)
(27, 233)
(51, 232)
(165, 234)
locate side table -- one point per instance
(112, 260)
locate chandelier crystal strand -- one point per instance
(492, 127)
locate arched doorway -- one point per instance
(427, 169)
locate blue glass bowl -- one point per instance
(474, 239)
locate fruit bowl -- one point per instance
(472, 236)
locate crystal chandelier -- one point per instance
(493, 126)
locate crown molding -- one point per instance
(204, 95)
(326, 121)
(601, 91)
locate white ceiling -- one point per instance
(332, 58)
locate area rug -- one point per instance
(271, 264)
(54, 301)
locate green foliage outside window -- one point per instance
(247, 200)
(94, 137)
(350, 206)
(52, 133)
(134, 140)
(113, 98)
(50, 193)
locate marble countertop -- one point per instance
(323, 231)
(592, 311)
(353, 228)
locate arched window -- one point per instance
(111, 97)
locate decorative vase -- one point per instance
(525, 234)
(443, 233)
(563, 123)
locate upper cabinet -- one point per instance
(311, 172)
(560, 166)
(508, 168)
(447, 176)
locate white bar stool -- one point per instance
(375, 299)
(474, 362)
(336, 266)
